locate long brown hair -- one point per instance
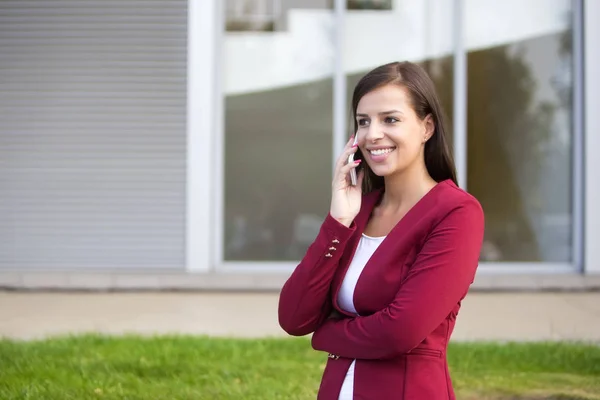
(438, 157)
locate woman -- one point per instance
(381, 285)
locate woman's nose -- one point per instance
(374, 132)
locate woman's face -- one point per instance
(390, 134)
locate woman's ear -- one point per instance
(429, 128)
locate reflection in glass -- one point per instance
(369, 4)
(251, 15)
(519, 135)
(278, 136)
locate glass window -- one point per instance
(369, 4)
(278, 131)
(519, 127)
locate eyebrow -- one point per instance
(381, 113)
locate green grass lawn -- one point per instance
(95, 367)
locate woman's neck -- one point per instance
(405, 189)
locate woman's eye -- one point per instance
(363, 122)
(391, 120)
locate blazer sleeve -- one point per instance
(304, 300)
(437, 281)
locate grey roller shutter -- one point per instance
(92, 134)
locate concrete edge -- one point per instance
(181, 281)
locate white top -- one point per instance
(366, 247)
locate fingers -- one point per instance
(344, 171)
(348, 149)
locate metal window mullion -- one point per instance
(218, 178)
(591, 128)
(339, 81)
(460, 94)
(577, 153)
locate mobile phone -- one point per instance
(350, 160)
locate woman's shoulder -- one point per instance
(454, 196)
(454, 201)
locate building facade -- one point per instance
(190, 143)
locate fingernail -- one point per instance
(354, 145)
(357, 161)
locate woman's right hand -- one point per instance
(346, 198)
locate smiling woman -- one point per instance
(381, 285)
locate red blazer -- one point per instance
(407, 296)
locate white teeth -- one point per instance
(381, 151)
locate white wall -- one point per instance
(413, 30)
(592, 135)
